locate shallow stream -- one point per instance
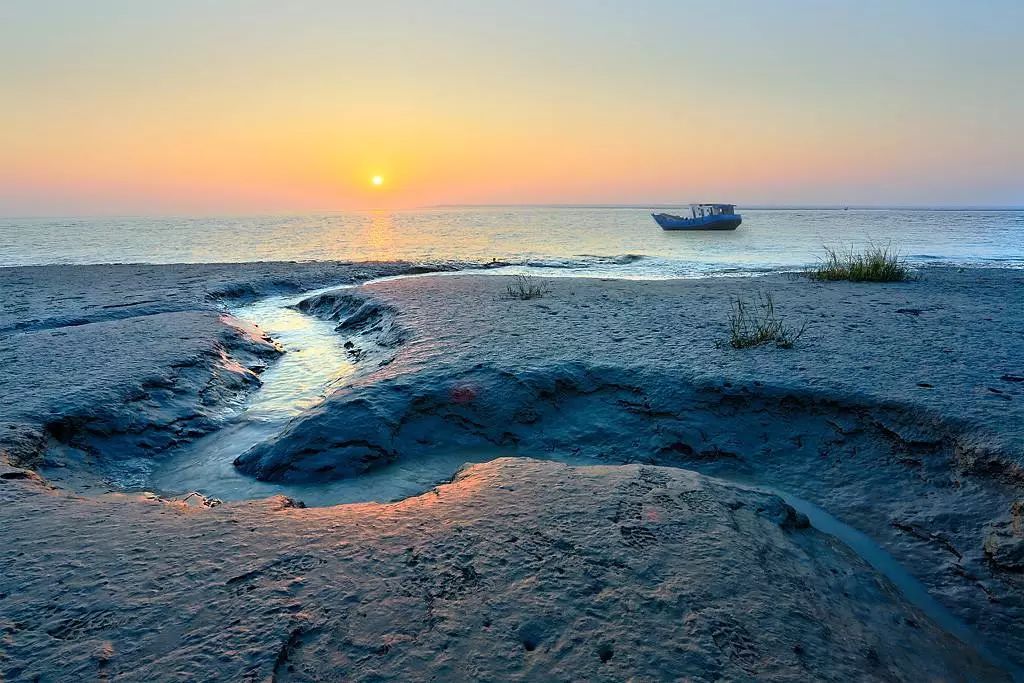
(314, 363)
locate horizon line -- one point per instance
(667, 205)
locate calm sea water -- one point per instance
(591, 240)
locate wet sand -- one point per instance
(899, 411)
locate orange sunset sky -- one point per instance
(203, 107)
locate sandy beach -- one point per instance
(660, 551)
(539, 342)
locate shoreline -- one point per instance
(583, 266)
(648, 351)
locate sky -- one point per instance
(214, 107)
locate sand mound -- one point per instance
(518, 570)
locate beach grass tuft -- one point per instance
(874, 264)
(755, 323)
(525, 287)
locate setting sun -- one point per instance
(193, 197)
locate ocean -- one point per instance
(571, 240)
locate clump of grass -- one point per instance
(874, 264)
(756, 323)
(525, 287)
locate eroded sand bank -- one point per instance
(899, 412)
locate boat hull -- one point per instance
(720, 222)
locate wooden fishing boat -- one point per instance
(702, 217)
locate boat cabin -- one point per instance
(703, 210)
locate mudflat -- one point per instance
(898, 411)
